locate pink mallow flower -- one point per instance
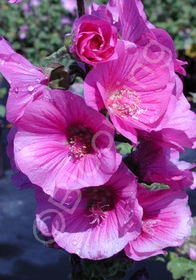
(94, 223)
(134, 91)
(100, 11)
(154, 163)
(14, 1)
(134, 27)
(192, 254)
(181, 126)
(23, 32)
(69, 5)
(163, 39)
(63, 143)
(20, 180)
(185, 167)
(27, 81)
(178, 127)
(94, 39)
(166, 223)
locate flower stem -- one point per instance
(77, 270)
(81, 8)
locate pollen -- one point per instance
(98, 213)
(125, 103)
(100, 202)
(79, 140)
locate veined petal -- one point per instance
(62, 141)
(166, 223)
(26, 81)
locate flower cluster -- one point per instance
(64, 146)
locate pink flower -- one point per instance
(69, 5)
(135, 92)
(166, 223)
(20, 180)
(100, 11)
(62, 143)
(178, 126)
(192, 254)
(94, 223)
(35, 3)
(134, 27)
(27, 81)
(180, 130)
(14, 1)
(165, 42)
(163, 39)
(65, 20)
(185, 167)
(181, 126)
(94, 39)
(153, 163)
(23, 32)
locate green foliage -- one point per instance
(193, 232)
(3, 92)
(124, 148)
(191, 51)
(2, 111)
(182, 267)
(45, 31)
(114, 267)
(155, 186)
(178, 18)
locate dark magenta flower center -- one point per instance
(100, 201)
(80, 140)
(96, 42)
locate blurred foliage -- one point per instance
(2, 111)
(124, 148)
(178, 18)
(182, 267)
(43, 27)
(191, 51)
(114, 268)
(45, 32)
(180, 264)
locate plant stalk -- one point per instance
(81, 8)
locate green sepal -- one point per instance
(154, 186)
(58, 54)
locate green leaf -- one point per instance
(193, 232)
(58, 54)
(69, 41)
(3, 92)
(124, 148)
(180, 267)
(2, 111)
(191, 51)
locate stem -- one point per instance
(81, 9)
(77, 270)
